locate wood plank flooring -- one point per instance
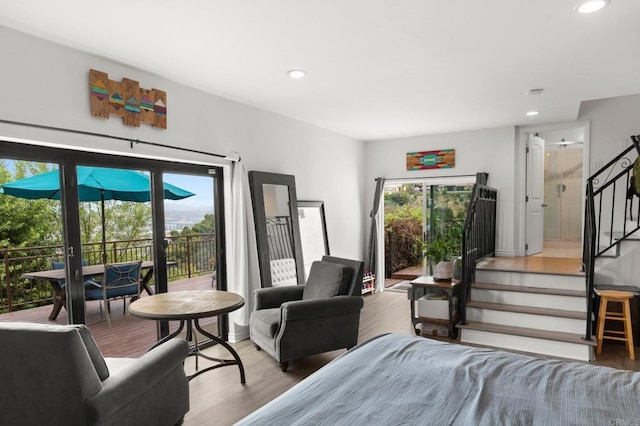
(217, 397)
(540, 265)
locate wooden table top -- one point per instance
(183, 305)
(428, 281)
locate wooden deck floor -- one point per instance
(128, 336)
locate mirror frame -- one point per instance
(256, 181)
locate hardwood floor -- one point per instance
(544, 265)
(218, 398)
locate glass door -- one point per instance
(31, 241)
(415, 212)
(75, 231)
(563, 193)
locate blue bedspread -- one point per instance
(398, 379)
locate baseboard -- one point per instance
(238, 333)
(506, 253)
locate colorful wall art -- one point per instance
(127, 100)
(423, 160)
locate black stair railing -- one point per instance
(610, 217)
(478, 237)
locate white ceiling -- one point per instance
(377, 69)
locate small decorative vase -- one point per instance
(443, 271)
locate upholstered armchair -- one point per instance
(292, 322)
(56, 375)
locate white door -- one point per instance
(535, 194)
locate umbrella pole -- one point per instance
(104, 231)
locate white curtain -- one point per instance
(242, 253)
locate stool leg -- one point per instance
(601, 319)
(628, 330)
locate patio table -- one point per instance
(57, 276)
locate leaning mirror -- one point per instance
(313, 232)
(277, 228)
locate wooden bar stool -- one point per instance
(626, 336)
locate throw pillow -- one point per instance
(326, 279)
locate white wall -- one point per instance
(48, 84)
(613, 121)
(489, 150)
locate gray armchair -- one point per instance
(56, 375)
(293, 322)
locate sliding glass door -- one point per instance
(159, 222)
(417, 211)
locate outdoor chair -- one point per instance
(292, 322)
(89, 284)
(55, 375)
(121, 281)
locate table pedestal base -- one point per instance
(191, 337)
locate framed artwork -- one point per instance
(313, 232)
(425, 160)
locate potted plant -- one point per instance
(442, 251)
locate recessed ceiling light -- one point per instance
(531, 113)
(296, 74)
(591, 6)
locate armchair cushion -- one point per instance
(266, 321)
(326, 280)
(316, 309)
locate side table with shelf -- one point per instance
(449, 290)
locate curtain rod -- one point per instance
(103, 135)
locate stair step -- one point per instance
(533, 265)
(561, 313)
(524, 289)
(528, 332)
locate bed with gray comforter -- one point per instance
(398, 379)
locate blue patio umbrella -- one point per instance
(94, 184)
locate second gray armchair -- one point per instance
(293, 322)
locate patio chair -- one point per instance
(296, 321)
(56, 375)
(121, 281)
(90, 284)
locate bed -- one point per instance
(397, 379)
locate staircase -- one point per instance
(549, 311)
(543, 312)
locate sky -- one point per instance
(202, 186)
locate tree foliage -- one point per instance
(27, 222)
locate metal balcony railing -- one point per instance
(194, 255)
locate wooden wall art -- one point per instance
(127, 100)
(423, 160)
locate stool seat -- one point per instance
(614, 295)
(604, 314)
